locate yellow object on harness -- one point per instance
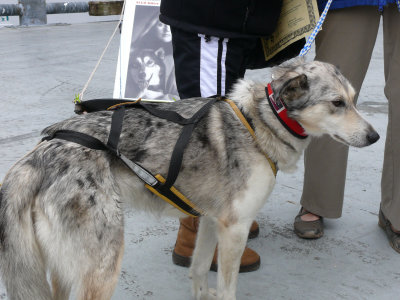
(177, 194)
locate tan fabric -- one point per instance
(390, 184)
(347, 40)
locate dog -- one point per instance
(146, 76)
(61, 205)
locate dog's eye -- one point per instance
(338, 103)
(149, 62)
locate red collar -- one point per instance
(280, 111)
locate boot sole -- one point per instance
(185, 261)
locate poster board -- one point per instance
(145, 67)
(297, 20)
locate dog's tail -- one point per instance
(21, 262)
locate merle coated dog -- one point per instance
(61, 205)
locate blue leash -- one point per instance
(317, 28)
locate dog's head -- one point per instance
(321, 99)
(147, 68)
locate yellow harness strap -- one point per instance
(179, 195)
(247, 125)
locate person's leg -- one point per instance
(390, 188)
(347, 40)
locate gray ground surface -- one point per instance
(41, 70)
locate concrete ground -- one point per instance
(41, 70)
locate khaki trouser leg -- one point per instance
(346, 40)
(390, 184)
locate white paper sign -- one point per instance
(145, 66)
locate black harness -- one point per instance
(155, 183)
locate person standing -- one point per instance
(347, 41)
(214, 42)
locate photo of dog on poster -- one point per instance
(148, 57)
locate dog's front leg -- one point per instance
(202, 258)
(232, 240)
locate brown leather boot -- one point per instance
(185, 243)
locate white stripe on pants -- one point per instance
(209, 65)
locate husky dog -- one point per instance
(146, 78)
(61, 205)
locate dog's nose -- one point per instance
(372, 137)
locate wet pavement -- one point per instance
(41, 70)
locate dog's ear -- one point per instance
(294, 88)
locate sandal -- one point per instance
(394, 237)
(308, 229)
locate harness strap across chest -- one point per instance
(157, 184)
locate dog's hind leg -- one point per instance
(202, 258)
(99, 283)
(22, 265)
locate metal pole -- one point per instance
(51, 8)
(33, 12)
(10, 10)
(67, 7)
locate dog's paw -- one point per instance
(201, 291)
(198, 292)
(211, 295)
